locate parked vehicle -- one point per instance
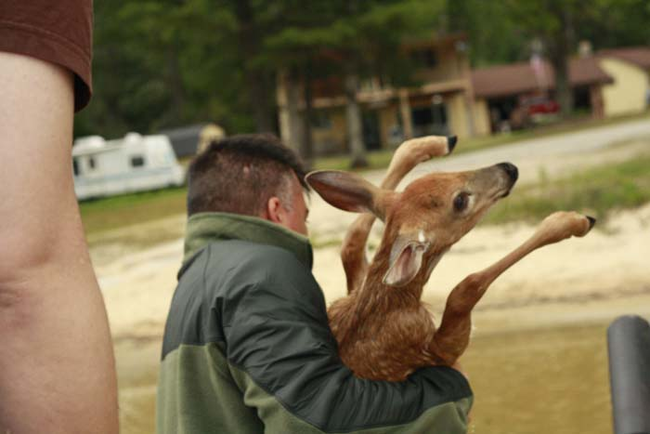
(134, 163)
(541, 106)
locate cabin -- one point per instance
(132, 164)
(439, 101)
(451, 98)
(630, 68)
(513, 96)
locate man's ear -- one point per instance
(349, 192)
(274, 210)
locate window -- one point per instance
(430, 120)
(137, 161)
(75, 167)
(425, 57)
(371, 84)
(321, 120)
(91, 163)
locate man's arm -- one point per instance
(57, 371)
(284, 359)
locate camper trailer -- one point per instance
(134, 163)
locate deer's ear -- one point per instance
(405, 260)
(348, 191)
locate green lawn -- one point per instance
(596, 191)
(129, 209)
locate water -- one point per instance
(531, 381)
(540, 381)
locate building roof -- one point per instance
(332, 86)
(185, 140)
(513, 79)
(639, 56)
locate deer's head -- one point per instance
(427, 218)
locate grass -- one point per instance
(111, 213)
(596, 191)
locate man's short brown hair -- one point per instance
(240, 174)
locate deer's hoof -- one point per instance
(592, 221)
(451, 143)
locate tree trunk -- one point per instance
(560, 52)
(296, 123)
(258, 94)
(563, 89)
(257, 80)
(175, 83)
(307, 145)
(355, 126)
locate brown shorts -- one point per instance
(57, 31)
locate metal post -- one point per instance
(629, 367)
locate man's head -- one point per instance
(252, 175)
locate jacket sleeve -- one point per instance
(284, 358)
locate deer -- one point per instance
(383, 329)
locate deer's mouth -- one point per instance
(506, 191)
(501, 193)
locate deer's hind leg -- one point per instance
(407, 156)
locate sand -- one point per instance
(603, 266)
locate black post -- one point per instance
(629, 370)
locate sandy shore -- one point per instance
(604, 266)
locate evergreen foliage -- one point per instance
(167, 63)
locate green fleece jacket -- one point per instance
(248, 349)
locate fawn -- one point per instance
(383, 330)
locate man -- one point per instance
(57, 373)
(247, 346)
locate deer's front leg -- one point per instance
(406, 157)
(353, 251)
(452, 338)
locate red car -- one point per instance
(541, 106)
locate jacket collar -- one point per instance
(204, 228)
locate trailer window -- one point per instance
(91, 163)
(137, 161)
(75, 167)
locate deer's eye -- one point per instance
(461, 201)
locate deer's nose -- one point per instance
(511, 170)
